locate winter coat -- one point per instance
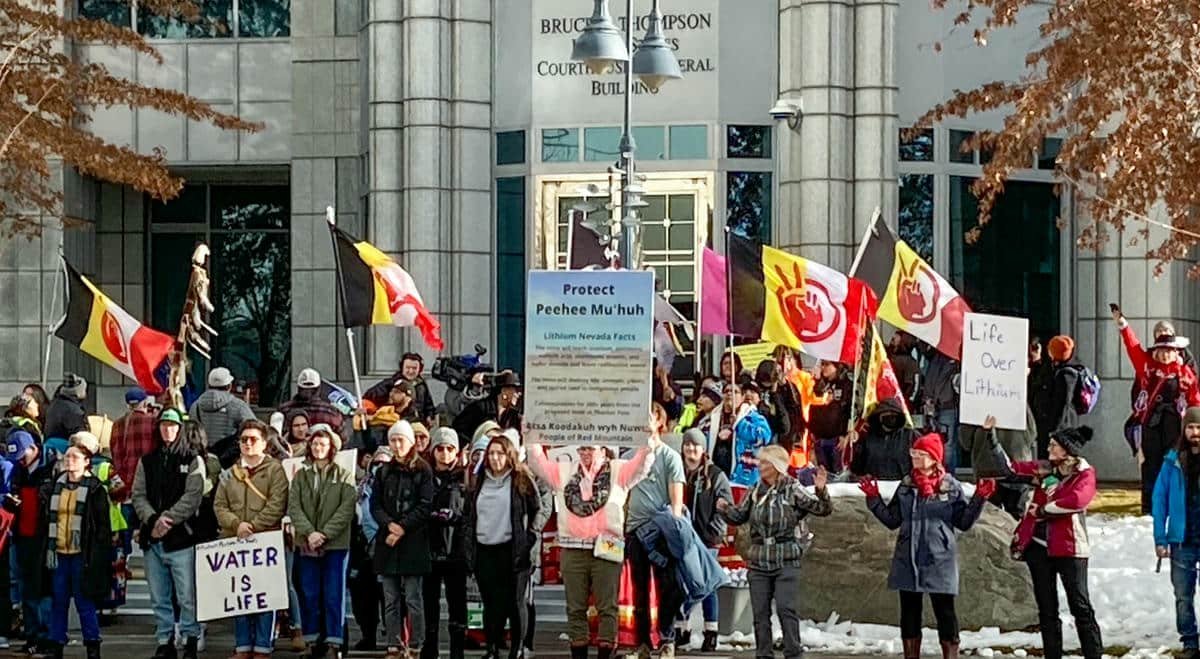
(704, 487)
(1060, 501)
(926, 556)
(881, 453)
(221, 413)
(524, 505)
(316, 409)
(941, 382)
(95, 538)
(65, 416)
(750, 433)
(1158, 388)
(1040, 384)
(380, 394)
(1018, 445)
(486, 409)
(170, 484)
(778, 417)
(236, 501)
(1061, 411)
(778, 534)
(575, 532)
(402, 493)
(1170, 502)
(671, 541)
(322, 500)
(446, 535)
(831, 418)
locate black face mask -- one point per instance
(890, 422)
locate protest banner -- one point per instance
(588, 350)
(240, 577)
(994, 354)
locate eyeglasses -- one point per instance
(445, 447)
(248, 439)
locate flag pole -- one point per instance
(331, 217)
(862, 247)
(59, 281)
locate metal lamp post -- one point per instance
(601, 47)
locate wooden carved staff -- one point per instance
(193, 328)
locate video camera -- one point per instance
(456, 371)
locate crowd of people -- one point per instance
(445, 501)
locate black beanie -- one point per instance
(1073, 439)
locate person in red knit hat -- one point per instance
(929, 506)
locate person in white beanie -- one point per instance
(401, 503)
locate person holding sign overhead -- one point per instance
(78, 546)
(321, 505)
(251, 499)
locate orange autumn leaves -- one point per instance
(1119, 82)
(46, 99)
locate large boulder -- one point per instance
(846, 570)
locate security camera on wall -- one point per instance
(787, 109)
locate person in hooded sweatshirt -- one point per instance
(66, 414)
(883, 451)
(218, 410)
(1176, 510)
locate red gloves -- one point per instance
(869, 487)
(985, 488)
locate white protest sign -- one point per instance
(994, 354)
(240, 577)
(588, 352)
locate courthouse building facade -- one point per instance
(459, 136)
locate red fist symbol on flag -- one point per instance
(911, 298)
(800, 302)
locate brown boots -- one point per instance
(912, 648)
(949, 649)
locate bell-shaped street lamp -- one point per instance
(601, 45)
(654, 61)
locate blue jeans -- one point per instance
(289, 558)
(711, 606)
(255, 633)
(323, 584)
(171, 576)
(1184, 559)
(68, 585)
(35, 611)
(947, 423)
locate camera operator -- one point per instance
(411, 367)
(503, 406)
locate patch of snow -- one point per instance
(1134, 605)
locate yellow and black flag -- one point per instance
(107, 332)
(377, 291)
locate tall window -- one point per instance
(217, 18)
(748, 205)
(246, 229)
(510, 272)
(915, 220)
(669, 246)
(992, 274)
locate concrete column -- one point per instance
(816, 159)
(875, 115)
(325, 165)
(429, 142)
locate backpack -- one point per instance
(1087, 390)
